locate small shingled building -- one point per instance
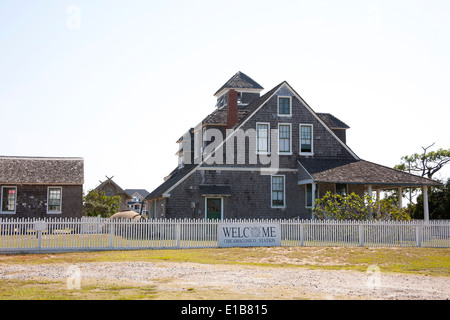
(41, 187)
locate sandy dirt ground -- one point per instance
(245, 282)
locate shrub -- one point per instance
(353, 207)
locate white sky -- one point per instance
(118, 82)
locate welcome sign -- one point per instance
(249, 234)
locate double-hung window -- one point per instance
(278, 191)
(8, 199)
(54, 200)
(284, 106)
(262, 137)
(284, 138)
(306, 139)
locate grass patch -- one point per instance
(38, 289)
(427, 261)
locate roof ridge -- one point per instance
(40, 158)
(240, 81)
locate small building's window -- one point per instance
(262, 137)
(284, 106)
(8, 198)
(341, 189)
(306, 134)
(284, 136)
(278, 193)
(54, 200)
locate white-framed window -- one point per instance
(306, 139)
(8, 199)
(309, 195)
(284, 106)
(341, 189)
(262, 137)
(285, 138)
(54, 200)
(278, 190)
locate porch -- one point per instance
(363, 175)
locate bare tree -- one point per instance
(425, 164)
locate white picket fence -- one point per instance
(30, 235)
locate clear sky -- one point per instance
(118, 82)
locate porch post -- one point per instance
(378, 200)
(369, 191)
(313, 196)
(426, 212)
(313, 191)
(400, 198)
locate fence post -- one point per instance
(361, 234)
(301, 234)
(111, 233)
(178, 234)
(418, 235)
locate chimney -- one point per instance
(232, 116)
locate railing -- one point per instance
(30, 235)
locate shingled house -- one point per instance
(112, 189)
(266, 156)
(38, 187)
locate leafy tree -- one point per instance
(354, 207)
(99, 204)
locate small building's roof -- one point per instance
(41, 170)
(332, 121)
(142, 192)
(239, 81)
(175, 176)
(119, 190)
(214, 190)
(361, 172)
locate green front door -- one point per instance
(213, 208)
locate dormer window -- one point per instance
(284, 106)
(220, 102)
(239, 97)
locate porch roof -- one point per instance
(358, 172)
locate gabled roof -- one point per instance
(110, 181)
(361, 172)
(239, 81)
(41, 170)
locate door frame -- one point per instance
(221, 206)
